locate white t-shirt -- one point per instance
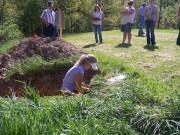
(128, 18)
(99, 15)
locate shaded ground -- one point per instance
(46, 84)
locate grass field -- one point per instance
(162, 63)
(147, 102)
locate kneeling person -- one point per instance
(73, 80)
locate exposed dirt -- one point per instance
(46, 84)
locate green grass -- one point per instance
(6, 46)
(37, 64)
(147, 102)
(162, 63)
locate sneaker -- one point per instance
(154, 45)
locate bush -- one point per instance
(9, 31)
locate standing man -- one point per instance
(178, 39)
(141, 18)
(151, 15)
(127, 22)
(48, 19)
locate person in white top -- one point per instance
(178, 38)
(48, 19)
(127, 21)
(98, 17)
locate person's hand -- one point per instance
(47, 24)
(78, 94)
(86, 85)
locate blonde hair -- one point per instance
(86, 58)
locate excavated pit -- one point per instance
(47, 84)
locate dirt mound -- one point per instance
(45, 47)
(47, 84)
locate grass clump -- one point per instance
(37, 64)
(5, 47)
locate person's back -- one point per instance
(68, 81)
(141, 11)
(128, 18)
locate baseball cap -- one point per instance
(92, 59)
(50, 4)
(130, 3)
(94, 66)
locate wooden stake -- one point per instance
(60, 25)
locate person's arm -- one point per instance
(44, 22)
(178, 14)
(42, 17)
(130, 13)
(145, 14)
(102, 16)
(157, 17)
(79, 81)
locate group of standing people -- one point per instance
(146, 14)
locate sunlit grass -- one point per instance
(160, 63)
(146, 102)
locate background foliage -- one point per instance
(23, 15)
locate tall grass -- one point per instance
(130, 107)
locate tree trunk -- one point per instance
(160, 11)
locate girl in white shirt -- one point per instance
(98, 17)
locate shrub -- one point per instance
(9, 31)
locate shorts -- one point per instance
(126, 27)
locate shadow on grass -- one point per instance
(150, 47)
(123, 45)
(89, 45)
(140, 36)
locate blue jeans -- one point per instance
(141, 24)
(97, 30)
(178, 38)
(150, 25)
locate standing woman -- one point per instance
(178, 39)
(98, 17)
(127, 21)
(151, 15)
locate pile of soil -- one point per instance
(46, 84)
